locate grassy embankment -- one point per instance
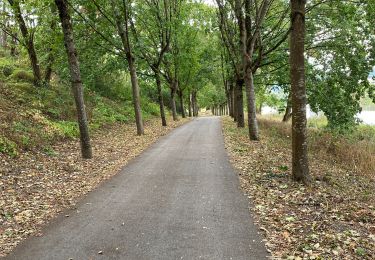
(34, 118)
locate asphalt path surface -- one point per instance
(180, 199)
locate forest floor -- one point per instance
(334, 218)
(36, 186)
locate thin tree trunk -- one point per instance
(180, 95)
(50, 58)
(195, 105)
(75, 75)
(300, 168)
(190, 108)
(50, 61)
(13, 44)
(234, 102)
(136, 96)
(173, 100)
(239, 104)
(230, 100)
(4, 35)
(288, 109)
(28, 41)
(259, 109)
(251, 106)
(123, 31)
(160, 98)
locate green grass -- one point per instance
(34, 118)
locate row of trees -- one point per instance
(190, 50)
(163, 43)
(258, 56)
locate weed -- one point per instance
(22, 75)
(8, 147)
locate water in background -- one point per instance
(367, 117)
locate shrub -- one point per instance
(22, 75)
(8, 147)
(6, 67)
(67, 129)
(7, 70)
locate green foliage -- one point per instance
(66, 129)
(337, 75)
(6, 67)
(149, 109)
(22, 75)
(48, 150)
(8, 147)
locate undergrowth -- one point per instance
(34, 118)
(355, 149)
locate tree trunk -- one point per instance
(160, 98)
(239, 104)
(173, 100)
(247, 70)
(234, 102)
(251, 106)
(13, 44)
(230, 99)
(4, 35)
(75, 75)
(259, 108)
(50, 61)
(190, 108)
(28, 41)
(180, 95)
(288, 109)
(195, 105)
(136, 96)
(300, 168)
(123, 31)
(50, 58)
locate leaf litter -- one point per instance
(334, 218)
(36, 186)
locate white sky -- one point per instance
(210, 2)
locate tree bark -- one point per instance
(259, 108)
(181, 96)
(300, 168)
(195, 105)
(4, 35)
(50, 58)
(123, 31)
(234, 102)
(28, 41)
(247, 71)
(136, 96)
(50, 61)
(288, 109)
(239, 103)
(190, 108)
(251, 106)
(230, 100)
(173, 100)
(13, 46)
(75, 75)
(160, 98)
